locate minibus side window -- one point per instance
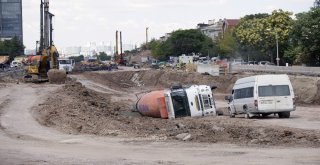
(243, 93)
(237, 94)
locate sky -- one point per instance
(78, 22)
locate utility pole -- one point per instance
(117, 43)
(277, 44)
(121, 44)
(147, 28)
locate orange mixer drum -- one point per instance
(33, 58)
(153, 105)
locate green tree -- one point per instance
(182, 42)
(226, 45)
(258, 32)
(306, 36)
(77, 58)
(256, 16)
(13, 47)
(103, 56)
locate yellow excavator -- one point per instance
(44, 66)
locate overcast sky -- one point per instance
(78, 22)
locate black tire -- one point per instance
(284, 114)
(265, 114)
(247, 114)
(232, 115)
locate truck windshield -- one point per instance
(180, 103)
(276, 90)
(64, 61)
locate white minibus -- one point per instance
(262, 95)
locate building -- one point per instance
(11, 19)
(165, 37)
(212, 29)
(229, 24)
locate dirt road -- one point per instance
(24, 141)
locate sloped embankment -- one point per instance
(307, 89)
(77, 110)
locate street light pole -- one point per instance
(277, 43)
(278, 59)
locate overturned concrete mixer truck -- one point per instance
(196, 100)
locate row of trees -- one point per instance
(181, 42)
(12, 48)
(298, 39)
(102, 56)
(254, 39)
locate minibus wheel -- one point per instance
(284, 114)
(232, 115)
(247, 116)
(265, 114)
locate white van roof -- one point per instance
(273, 79)
(266, 79)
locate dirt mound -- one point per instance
(57, 76)
(12, 77)
(306, 89)
(75, 109)
(155, 79)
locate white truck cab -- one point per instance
(262, 94)
(15, 64)
(196, 100)
(66, 64)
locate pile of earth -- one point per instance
(155, 79)
(77, 110)
(11, 78)
(2, 85)
(307, 89)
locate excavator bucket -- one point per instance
(56, 76)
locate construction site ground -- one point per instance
(90, 120)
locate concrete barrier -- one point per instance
(211, 69)
(295, 70)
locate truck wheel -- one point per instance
(247, 116)
(232, 115)
(284, 114)
(265, 115)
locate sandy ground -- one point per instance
(24, 141)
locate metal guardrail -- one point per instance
(294, 70)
